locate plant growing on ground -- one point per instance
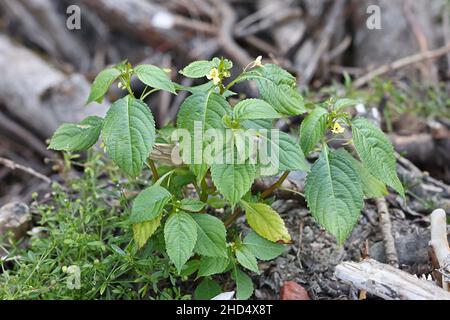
(225, 144)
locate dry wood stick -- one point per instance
(15, 166)
(386, 230)
(401, 63)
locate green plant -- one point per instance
(218, 143)
(84, 229)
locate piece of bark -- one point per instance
(388, 282)
(38, 95)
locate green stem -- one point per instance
(268, 192)
(152, 166)
(232, 217)
(204, 192)
(148, 93)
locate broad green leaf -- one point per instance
(334, 194)
(190, 267)
(266, 222)
(128, 134)
(211, 236)
(278, 88)
(233, 180)
(77, 137)
(102, 83)
(208, 108)
(180, 235)
(216, 202)
(376, 153)
(144, 230)
(197, 69)
(291, 156)
(372, 187)
(154, 77)
(246, 258)
(344, 103)
(312, 129)
(149, 204)
(263, 249)
(197, 114)
(258, 124)
(207, 289)
(212, 265)
(278, 151)
(244, 284)
(192, 205)
(250, 109)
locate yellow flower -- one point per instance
(214, 76)
(257, 62)
(337, 128)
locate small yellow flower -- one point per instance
(257, 62)
(214, 76)
(337, 128)
(167, 70)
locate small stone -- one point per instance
(293, 291)
(15, 217)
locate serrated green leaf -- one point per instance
(216, 202)
(206, 107)
(372, 187)
(334, 194)
(246, 258)
(192, 205)
(376, 153)
(102, 83)
(258, 124)
(344, 103)
(266, 222)
(211, 236)
(144, 230)
(244, 284)
(77, 137)
(149, 204)
(190, 267)
(278, 151)
(154, 77)
(250, 109)
(199, 113)
(278, 88)
(233, 180)
(263, 249)
(212, 265)
(197, 69)
(207, 289)
(312, 129)
(291, 156)
(180, 235)
(128, 134)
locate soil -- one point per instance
(311, 259)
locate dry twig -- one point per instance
(15, 166)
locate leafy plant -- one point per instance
(224, 146)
